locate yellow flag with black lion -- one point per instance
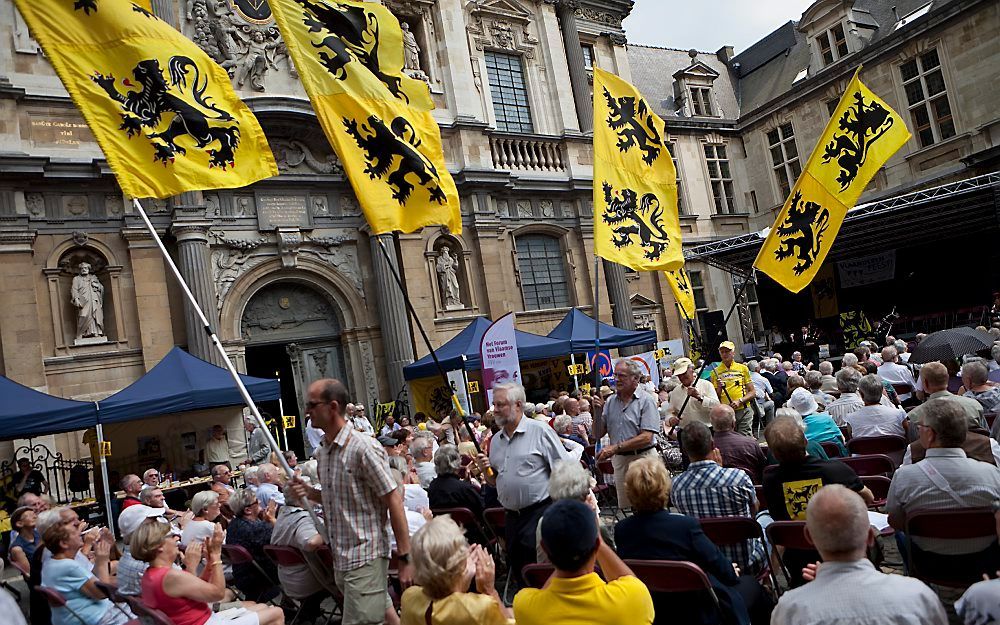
(635, 183)
(860, 137)
(165, 115)
(349, 57)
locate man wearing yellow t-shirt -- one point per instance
(732, 380)
(575, 594)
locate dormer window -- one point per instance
(832, 45)
(701, 102)
(693, 89)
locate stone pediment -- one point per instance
(638, 299)
(507, 9)
(697, 70)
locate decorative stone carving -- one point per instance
(319, 207)
(244, 207)
(616, 39)
(213, 208)
(332, 251)
(294, 156)
(503, 208)
(502, 24)
(81, 238)
(288, 309)
(567, 208)
(87, 296)
(230, 262)
(75, 205)
(247, 49)
(368, 363)
(35, 204)
(524, 209)
(601, 17)
(548, 208)
(289, 240)
(321, 358)
(349, 205)
(113, 204)
(447, 272)
(645, 321)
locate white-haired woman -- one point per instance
(443, 568)
(569, 480)
(207, 510)
(184, 597)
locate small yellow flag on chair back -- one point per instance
(635, 183)
(163, 112)
(349, 57)
(860, 137)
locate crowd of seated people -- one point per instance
(798, 467)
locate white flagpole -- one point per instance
(225, 358)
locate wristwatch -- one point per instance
(403, 557)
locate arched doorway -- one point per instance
(292, 331)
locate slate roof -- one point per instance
(768, 68)
(652, 73)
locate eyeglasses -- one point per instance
(312, 404)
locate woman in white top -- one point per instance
(206, 508)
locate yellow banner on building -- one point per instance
(680, 284)
(163, 112)
(349, 56)
(635, 183)
(860, 137)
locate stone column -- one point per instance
(194, 262)
(621, 305)
(397, 342)
(566, 10)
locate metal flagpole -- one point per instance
(704, 361)
(225, 358)
(281, 409)
(104, 468)
(427, 341)
(597, 324)
(576, 380)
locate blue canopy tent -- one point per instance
(529, 347)
(578, 329)
(178, 383)
(25, 412)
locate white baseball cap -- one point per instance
(132, 517)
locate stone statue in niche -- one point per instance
(87, 296)
(411, 54)
(447, 270)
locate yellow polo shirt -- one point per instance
(585, 599)
(735, 379)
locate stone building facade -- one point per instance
(314, 296)
(934, 62)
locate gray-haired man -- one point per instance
(631, 421)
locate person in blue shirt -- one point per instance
(820, 426)
(26, 538)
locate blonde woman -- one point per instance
(183, 596)
(444, 567)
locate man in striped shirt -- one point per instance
(358, 493)
(707, 489)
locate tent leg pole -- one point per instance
(281, 409)
(226, 360)
(576, 381)
(597, 321)
(104, 476)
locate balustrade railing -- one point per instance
(528, 153)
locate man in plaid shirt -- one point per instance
(707, 489)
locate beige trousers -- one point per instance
(620, 463)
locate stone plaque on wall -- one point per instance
(282, 211)
(62, 131)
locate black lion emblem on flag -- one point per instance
(801, 233)
(352, 34)
(863, 124)
(145, 109)
(630, 215)
(633, 124)
(391, 153)
(91, 5)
